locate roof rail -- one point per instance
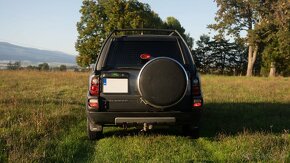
(144, 29)
(169, 32)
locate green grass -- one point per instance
(42, 119)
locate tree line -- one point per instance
(262, 49)
(41, 67)
(219, 56)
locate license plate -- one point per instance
(113, 85)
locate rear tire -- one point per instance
(191, 131)
(96, 134)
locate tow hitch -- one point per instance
(146, 127)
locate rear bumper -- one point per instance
(145, 117)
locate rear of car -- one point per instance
(143, 80)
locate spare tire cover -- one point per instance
(162, 82)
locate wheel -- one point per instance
(192, 131)
(94, 131)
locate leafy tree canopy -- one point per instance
(266, 24)
(273, 34)
(100, 17)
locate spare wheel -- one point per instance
(162, 82)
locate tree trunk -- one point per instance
(250, 67)
(252, 55)
(272, 70)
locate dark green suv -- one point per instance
(144, 77)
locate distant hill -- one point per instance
(10, 52)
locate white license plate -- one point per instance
(113, 85)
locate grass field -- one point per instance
(42, 119)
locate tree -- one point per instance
(123, 14)
(14, 66)
(266, 23)
(201, 54)
(91, 32)
(235, 16)
(173, 23)
(30, 67)
(219, 56)
(100, 17)
(273, 31)
(43, 67)
(62, 67)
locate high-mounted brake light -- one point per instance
(95, 86)
(145, 56)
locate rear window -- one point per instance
(127, 53)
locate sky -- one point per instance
(51, 25)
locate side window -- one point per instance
(101, 56)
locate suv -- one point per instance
(144, 77)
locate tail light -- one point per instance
(196, 92)
(95, 86)
(195, 88)
(94, 103)
(197, 103)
